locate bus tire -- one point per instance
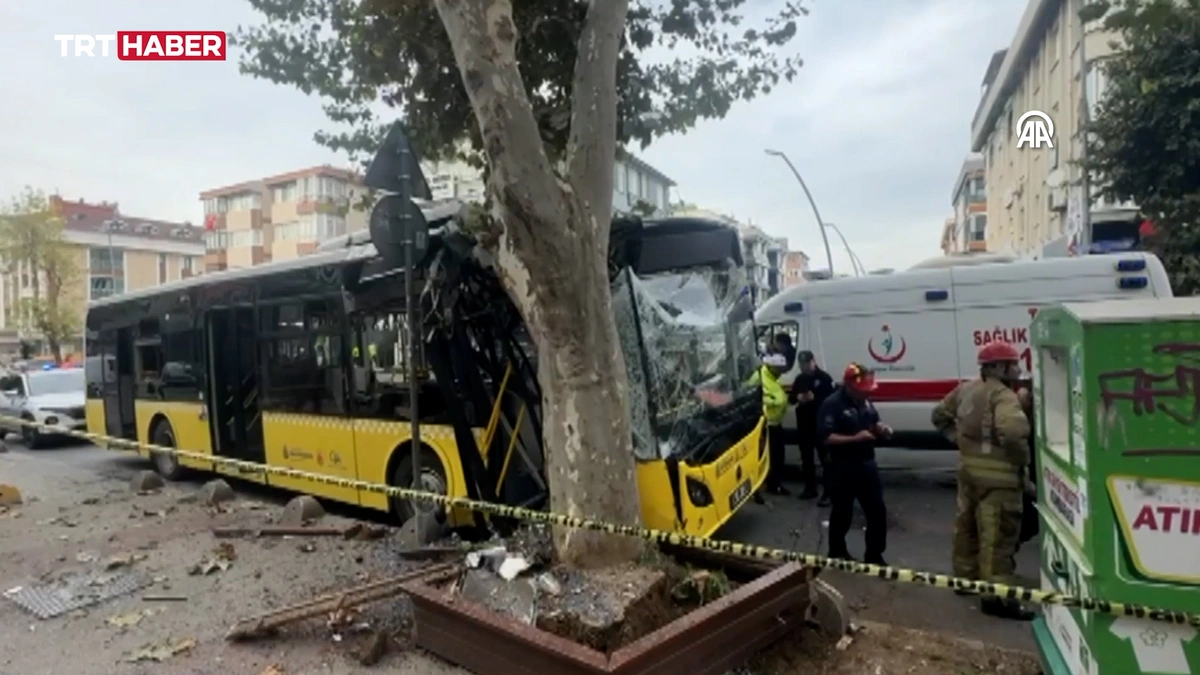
(433, 479)
(165, 465)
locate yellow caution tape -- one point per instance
(969, 586)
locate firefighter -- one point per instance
(985, 419)
(848, 426)
(775, 405)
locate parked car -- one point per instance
(52, 397)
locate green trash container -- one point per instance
(1118, 453)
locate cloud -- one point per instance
(877, 121)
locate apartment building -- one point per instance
(114, 253)
(949, 244)
(795, 268)
(280, 217)
(1034, 195)
(969, 199)
(634, 181)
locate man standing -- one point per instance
(775, 404)
(848, 426)
(782, 344)
(985, 419)
(809, 390)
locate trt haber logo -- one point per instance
(148, 45)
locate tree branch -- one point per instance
(592, 146)
(521, 178)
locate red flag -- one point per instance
(210, 221)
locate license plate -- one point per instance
(739, 495)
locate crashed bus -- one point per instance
(306, 364)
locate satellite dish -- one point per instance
(394, 222)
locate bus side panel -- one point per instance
(376, 440)
(322, 444)
(94, 415)
(188, 422)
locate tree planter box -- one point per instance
(708, 641)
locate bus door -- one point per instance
(119, 389)
(234, 396)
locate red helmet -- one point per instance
(997, 352)
(859, 378)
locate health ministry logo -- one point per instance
(146, 45)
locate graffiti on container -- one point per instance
(1174, 395)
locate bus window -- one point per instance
(182, 370)
(148, 358)
(303, 354)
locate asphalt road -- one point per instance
(919, 488)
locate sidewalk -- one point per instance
(76, 526)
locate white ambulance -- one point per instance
(920, 329)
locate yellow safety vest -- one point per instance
(775, 401)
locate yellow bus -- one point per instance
(303, 364)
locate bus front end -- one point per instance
(685, 319)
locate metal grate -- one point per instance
(46, 601)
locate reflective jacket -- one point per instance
(984, 418)
(775, 400)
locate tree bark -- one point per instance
(552, 259)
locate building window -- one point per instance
(242, 238)
(285, 192)
(187, 263)
(162, 268)
(106, 272)
(979, 227)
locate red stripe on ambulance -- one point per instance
(923, 391)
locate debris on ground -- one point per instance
(331, 605)
(162, 651)
(350, 532)
(73, 591)
(221, 558)
(375, 649)
(128, 619)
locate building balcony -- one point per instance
(217, 259)
(259, 255)
(322, 205)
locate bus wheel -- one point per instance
(166, 465)
(433, 479)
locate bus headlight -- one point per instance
(698, 493)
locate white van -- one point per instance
(920, 329)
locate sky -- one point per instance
(877, 122)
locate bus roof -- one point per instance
(340, 256)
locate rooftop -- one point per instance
(257, 185)
(81, 216)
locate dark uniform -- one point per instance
(848, 425)
(811, 380)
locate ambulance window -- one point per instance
(767, 333)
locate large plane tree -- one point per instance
(547, 92)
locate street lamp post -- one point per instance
(855, 263)
(811, 202)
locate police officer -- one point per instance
(775, 404)
(809, 390)
(848, 426)
(985, 419)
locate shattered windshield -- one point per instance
(688, 341)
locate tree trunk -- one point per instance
(552, 258)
